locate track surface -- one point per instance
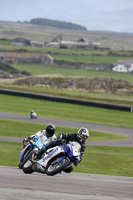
(75, 124)
(16, 185)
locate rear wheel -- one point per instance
(55, 168)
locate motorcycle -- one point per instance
(33, 115)
(54, 160)
(26, 151)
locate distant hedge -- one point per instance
(57, 24)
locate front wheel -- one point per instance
(27, 165)
(55, 168)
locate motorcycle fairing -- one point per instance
(56, 151)
(37, 143)
(33, 142)
(71, 151)
(22, 152)
(68, 149)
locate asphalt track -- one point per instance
(15, 185)
(74, 124)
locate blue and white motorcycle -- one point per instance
(26, 151)
(54, 160)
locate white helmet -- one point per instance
(84, 133)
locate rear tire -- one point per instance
(55, 168)
(68, 170)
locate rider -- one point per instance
(32, 113)
(79, 137)
(44, 136)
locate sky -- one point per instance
(101, 15)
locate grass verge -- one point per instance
(90, 96)
(107, 164)
(11, 128)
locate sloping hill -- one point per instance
(116, 41)
(57, 24)
(7, 70)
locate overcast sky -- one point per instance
(105, 15)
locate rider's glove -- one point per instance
(59, 141)
(40, 152)
(60, 135)
(29, 138)
(26, 140)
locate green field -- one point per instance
(11, 128)
(53, 70)
(109, 164)
(108, 98)
(78, 56)
(89, 59)
(5, 42)
(65, 111)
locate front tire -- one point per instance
(27, 164)
(27, 167)
(55, 168)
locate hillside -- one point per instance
(116, 41)
(7, 71)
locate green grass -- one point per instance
(65, 111)
(52, 70)
(12, 128)
(89, 59)
(5, 42)
(107, 164)
(95, 163)
(9, 155)
(109, 149)
(108, 98)
(54, 50)
(8, 143)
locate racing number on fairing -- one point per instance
(38, 144)
(75, 152)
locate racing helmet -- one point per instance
(84, 133)
(50, 130)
